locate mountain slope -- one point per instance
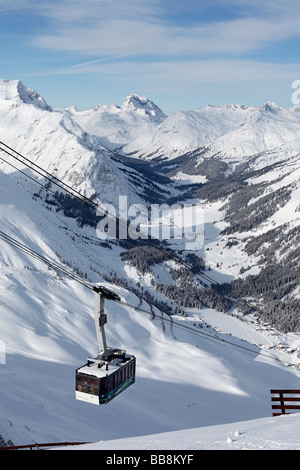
(220, 372)
(259, 233)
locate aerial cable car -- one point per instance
(103, 378)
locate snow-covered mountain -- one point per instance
(229, 131)
(217, 374)
(115, 126)
(54, 141)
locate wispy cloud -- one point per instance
(137, 27)
(143, 27)
(185, 71)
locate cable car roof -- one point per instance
(113, 366)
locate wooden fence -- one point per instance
(286, 400)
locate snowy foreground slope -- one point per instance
(281, 433)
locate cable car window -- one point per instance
(87, 384)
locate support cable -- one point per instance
(20, 246)
(65, 187)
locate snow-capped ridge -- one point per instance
(71, 109)
(137, 103)
(224, 106)
(230, 131)
(17, 92)
(106, 108)
(114, 126)
(268, 106)
(32, 97)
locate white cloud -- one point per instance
(135, 28)
(142, 27)
(65, 12)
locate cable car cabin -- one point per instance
(99, 383)
(112, 371)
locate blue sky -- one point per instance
(181, 55)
